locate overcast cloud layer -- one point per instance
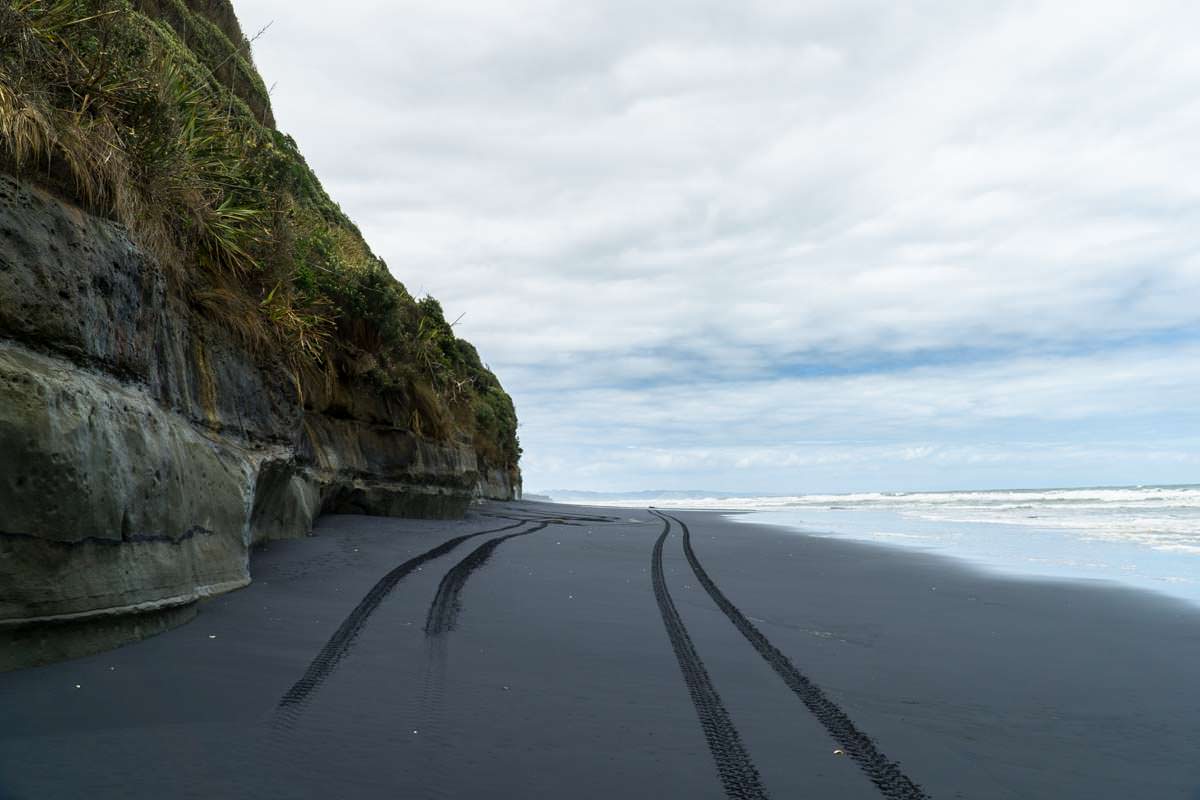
(784, 247)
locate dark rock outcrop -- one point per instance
(144, 449)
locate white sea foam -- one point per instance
(1186, 497)
(1161, 517)
(1144, 536)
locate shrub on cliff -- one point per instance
(150, 112)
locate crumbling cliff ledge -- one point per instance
(144, 449)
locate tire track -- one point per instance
(538, 516)
(327, 660)
(447, 603)
(572, 517)
(734, 766)
(435, 749)
(882, 771)
(550, 520)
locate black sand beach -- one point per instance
(555, 663)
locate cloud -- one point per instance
(692, 228)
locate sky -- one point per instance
(784, 247)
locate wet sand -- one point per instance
(395, 658)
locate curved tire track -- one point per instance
(737, 772)
(447, 603)
(538, 516)
(343, 638)
(883, 772)
(572, 517)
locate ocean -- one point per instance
(1142, 536)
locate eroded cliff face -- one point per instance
(144, 449)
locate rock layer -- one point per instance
(144, 450)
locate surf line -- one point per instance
(737, 771)
(339, 644)
(883, 772)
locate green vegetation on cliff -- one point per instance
(150, 112)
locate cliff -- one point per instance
(198, 351)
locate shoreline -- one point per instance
(1076, 560)
(550, 673)
(1145, 536)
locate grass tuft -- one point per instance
(150, 112)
